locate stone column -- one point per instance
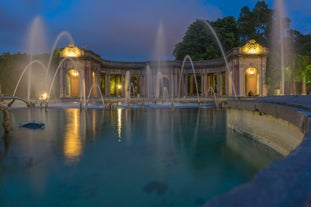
(219, 83)
(107, 84)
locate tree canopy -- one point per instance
(260, 23)
(200, 43)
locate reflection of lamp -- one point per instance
(72, 140)
(119, 123)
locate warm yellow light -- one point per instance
(119, 86)
(72, 142)
(252, 48)
(73, 72)
(251, 71)
(71, 51)
(43, 97)
(119, 123)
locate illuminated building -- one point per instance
(83, 69)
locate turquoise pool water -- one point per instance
(148, 158)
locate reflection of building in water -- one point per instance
(94, 117)
(116, 122)
(72, 141)
(119, 123)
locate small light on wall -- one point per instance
(251, 71)
(74, 73)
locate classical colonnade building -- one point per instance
(84, 73)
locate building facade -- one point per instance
(85, 74)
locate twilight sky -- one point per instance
(119, 29)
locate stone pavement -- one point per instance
(286, 182)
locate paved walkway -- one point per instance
(286, 182)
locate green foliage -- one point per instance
(9, 65)
(255, 24)
(194, 42)
(308, 73)
(13, 65)
(200, 43)
(252, 24)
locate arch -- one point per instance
(165, 86)
(73, 83)
(251, 81)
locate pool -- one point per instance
(122, 157)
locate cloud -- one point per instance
(115, 29)
(131, 26)
(121, 29)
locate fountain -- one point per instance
(223, 55)
(88, 97)
(165, 94)
(54, 76)
(161, 64)
(211, 89)
(277, 43)
(131, 89)
(59, 36)
(148, 81)
(25, 69)
(155, 140)
(36, 44)
(187, 57)
(127, 84)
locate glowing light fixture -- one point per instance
(71, 51)
(251, 71)
(252, 48)
(43, 97)
(73, 72)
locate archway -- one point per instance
(251, 82)
(165, 86)
(73, 84)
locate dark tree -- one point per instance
(255, 24)
(200, 43)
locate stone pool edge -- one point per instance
(286, 182)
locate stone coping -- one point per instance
(286, 182)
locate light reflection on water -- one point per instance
(119, 123)
(72, 138)
(124, 158)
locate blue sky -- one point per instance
(119, 29)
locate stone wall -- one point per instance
(286, 182)
(277, 133)
(282, 127)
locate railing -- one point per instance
(4, 107)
